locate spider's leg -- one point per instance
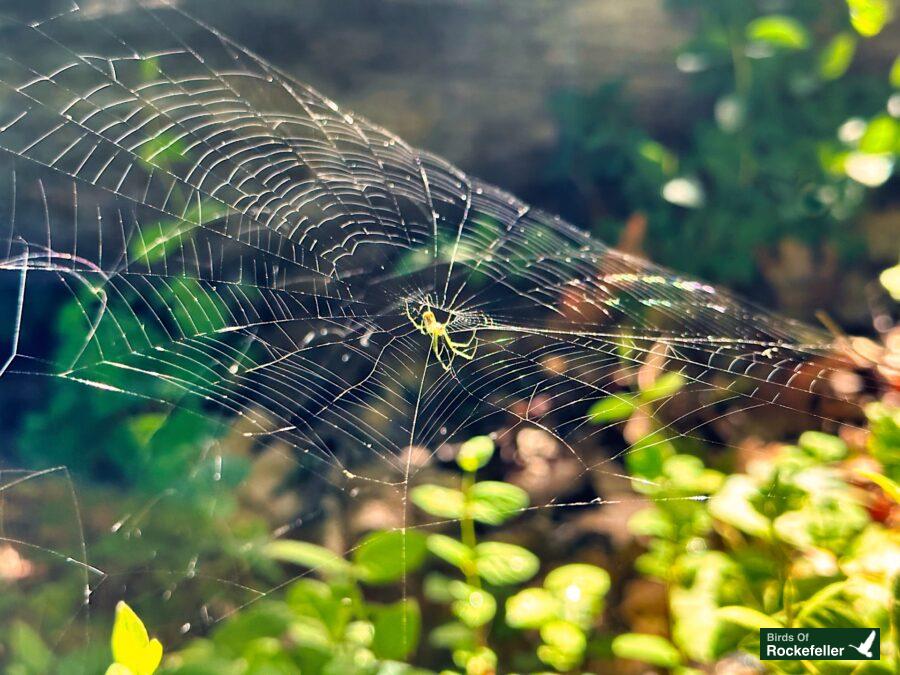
(462, 345)
(464, 349)
(439, 351)
(420, 326)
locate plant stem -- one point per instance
(467, 530)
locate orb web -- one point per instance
(233, 243)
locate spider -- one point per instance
(441, 342)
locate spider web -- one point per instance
(237, 243)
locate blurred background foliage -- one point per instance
(779, 183)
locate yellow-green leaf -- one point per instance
(778, 30)
(663, 386)
(746, 617)
(890, 279)
(504, 564)
(492, 502)
(868, 17)
(132, 647)
(890, 488)
(651, 649)
(302, 553)
(894, 76)
(613, 408)
(475, 453)
(439, 501)
(837, 56)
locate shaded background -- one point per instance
(554, 100)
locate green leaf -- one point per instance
(651, 522)
(28, 649)
(327, 604)
(504, 564)
(473, 606)
(648, 455)
(732, 505)
(667, 384)
(652, 649)
(131, 646)
(452, 635)
(304, 554)
(493, 502)
(881, 136)
(531, 608)
(837, 56)
(478, 661)
(475, 453)
(747, 617)
(580, 590)
(448, 549)
(397, 629)
(436, 587)
(894, 76)
(828, 608)
(613, 408)
(586, 579)
(383, 557)
(823, 446)
(564, 645)
(868, 17)
(439, 501)
(778, 30)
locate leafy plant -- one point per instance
(562, 611)
(786, 140)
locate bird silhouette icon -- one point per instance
(865, 647)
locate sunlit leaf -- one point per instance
(652, 649)
(452, 635)
(881, 135)
(304, 554)
(890, 279)
(587, 579)
(131, 645)
(837, 56)
(733, 505)
(747, 617)
(868, 17)
(667, 384)
(778, 30)
(822, 446)
(493, 502)
(531, 608)
(503, 564)
(890, 488)
(448, 549)
(383, 557)
(439, 501)
(613, 408)
(473, 606)
(475, 453)
(894, 76)
(564, 645)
